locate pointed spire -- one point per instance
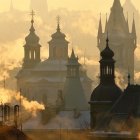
(107, 53)
(116, 5)
(73, 54)
(133, 27)
(107, 41)
(100, 27)
(11, 6)
(58, 23)
(127, 21)
(32, 29)
(129, 79)
(106, 28)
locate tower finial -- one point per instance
(107, 40)
(58, 23)
(32, 15)
(32, 21)
(129, 78)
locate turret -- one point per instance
(107, 92)
(58, 45)
(31, 48)
(74, 96)
(107, 72)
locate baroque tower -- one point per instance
(123, 42)
(58, 46)
(31, 48)
(107, 92)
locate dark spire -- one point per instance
(100, 27)
(133, 27)
(129, 78)
(73, 60)
(73, 54)
(58, 23)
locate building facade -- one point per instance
(107, 92)
(43, 80)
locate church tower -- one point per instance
(31, 48)
(107, 92)
(74, 97)
(123, 42)
(58, 46)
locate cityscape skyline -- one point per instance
(95, 6)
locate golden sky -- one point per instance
(94, 5)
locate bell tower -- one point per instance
(107, 92)
(107, 74)
(31, 48)
(58, 46)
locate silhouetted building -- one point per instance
(31, 49)
(71, 109)
(122, 41)
(42, 81)
(107, 92)
(11, 133)
(114, 114)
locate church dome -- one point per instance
(32, 38)
(106, 93)
(107, 52)
(58, 34)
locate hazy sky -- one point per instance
(94, 5)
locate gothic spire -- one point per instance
(58, 23)
(127, 21)
(129, 78)
(73, 54)
(133, 27)
(100, 27)
(117, 22)
(116, 4)
(106, 24)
